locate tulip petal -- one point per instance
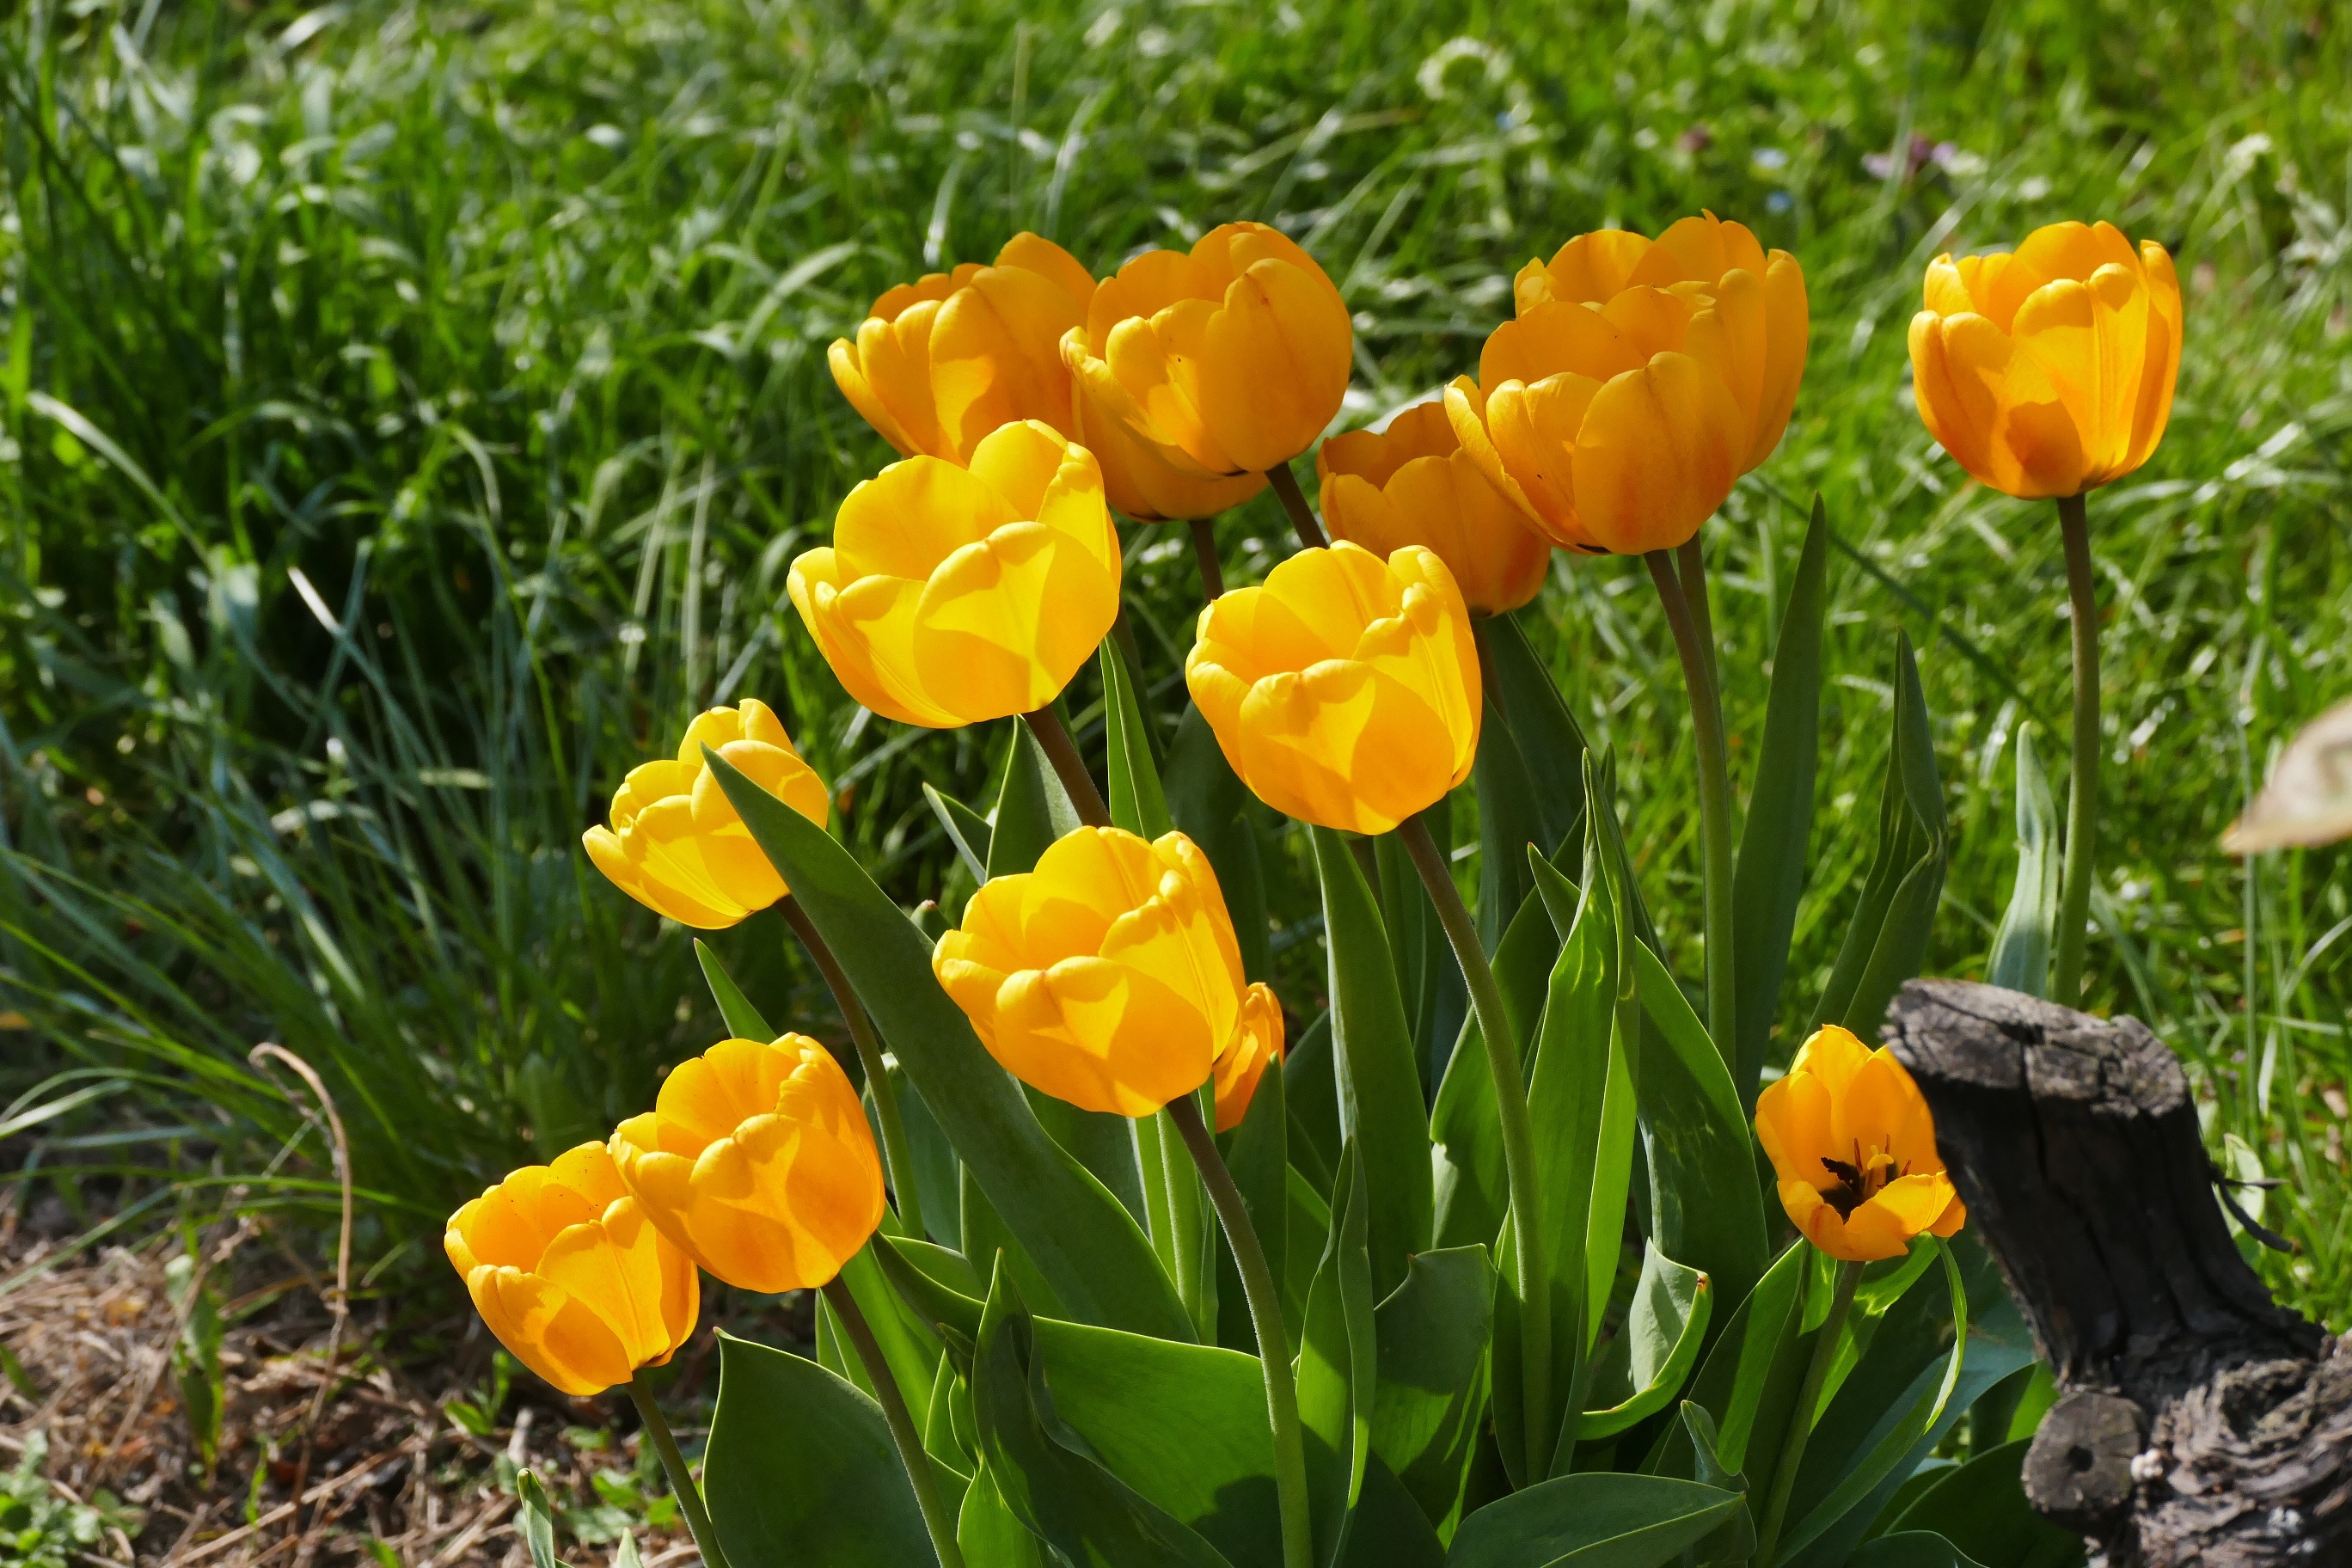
(1657, 453)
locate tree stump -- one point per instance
(2202, 1424)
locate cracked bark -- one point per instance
(2201, 1424)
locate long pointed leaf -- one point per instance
(1137, 802)
(2021, 949)
(1208, 803)
(743, 1020)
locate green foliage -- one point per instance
(41, 1527)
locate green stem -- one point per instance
(1204, 550)
(1531, 1268)
(1063, 752)
(681, 1480)
(1690, 564)
(2082, 789)
(911, 1452)
(895, 1148)
(1294, 501)
(1714, 796)
(1265, 1319)
(1800, 1419)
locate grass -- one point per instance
(410, 414)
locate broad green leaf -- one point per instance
(538, 1530)
(1979, 1508)
(1548, 741)
(991, 1242)
(1096, 1258)
(987, 1533)
(1596, 1519)
(1912, 1548)
(1749, 1377)
(1338, 1363)
(1310, 1087)
(743, 1020)
(937, 1286)
(1429, 978)
(1510, 823)
(849, 1504)
(1387, 1529)
(939, 1174)
(1258, 1152)
(1652, 1355)
(1779, 830)
(1429, 1403)
(1100, 1141)
(2020, 960)
(967, 829)
(1210, 806)
(1734, 1541)
(1032, 809)
(909, 1344)
(1380, 1105)
(1471, 1187)
(1135, 800)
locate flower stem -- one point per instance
(911, 1452)
(1294, 501)
(1205, 550)
(2083, 788)
(894, 1147)
(681, 1480)
(1266, 1319)
(1531, 1268)
(1063, 752)
(1800, 1419)
(1713, 795)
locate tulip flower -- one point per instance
(1638, 381)
(757, 1160)
(953, 596)
(1344, 689)
(940, 364)
(564, 1267)
(1256, 1045)
(675, 845)
(1108, 976)
(1413, 484)
(1853, 1142)
(2048, 371)
(1230, 359)
(1142, 482)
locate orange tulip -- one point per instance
(1854, 1144)
(1256, 1045)
(1413, 484)
(1139, 480)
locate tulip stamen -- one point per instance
(1860, 1180)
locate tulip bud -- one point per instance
(1413, 484)
(564, 1267)
(1230, 359)
(1108, 976)
(1639, 380)
(1853, 1142)
(675, 845)
(1256, 1045)
(1344, 689)
(2049, 372)
(954, 595)
(940, 364)
(758, 1160)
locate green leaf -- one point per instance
(1033, 810)
(1596, 1519)
(988, 1534)
(1471, 1188)
(1137, 802)
(939, 1286)
(1887, 943)
(1080, 1239)
(1429, 1403)
(1211, 808)
(538, 1519)
(1911, 1549)
(848, 1503)
(2020, 960)
(1101, 1140)
(1510, 823)
(908, 1345)
(1980, 1508)
(1429, 977)
(1652, 1356)
(939, 1174)
(1310, 1087)
(1548, 738)
(1387, 1529)
(967, 829)
(1380, 1105)
(1338, 1363)
(1735, 1539)
(1749, 1378)
(743, 1020)
(1258, 1152)
(1773, 842)
(1182, 1229)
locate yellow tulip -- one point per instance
(1257, 1046)
(675, 845)
(1108, 977)
(564, 1268)
(1639, 380)
(938, 363)
(1854, 1145)
(1413, 484)
(1142, 482)
(1230, 359)
(951, 595)
(1344, 689)
(2049, 372)
(757, 1160)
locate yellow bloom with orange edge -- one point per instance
(1638, 381)
(1141, 481)
(1343, 690)
(564, 1268)
(1229, 359)
(1108, 977)
(1852, 1140)
(2048, 371)
(951, 595)
(758, 1160)
(1413, 484)
(675, 845)
(1256, 1045)
(938, 363)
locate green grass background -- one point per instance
(410, 413)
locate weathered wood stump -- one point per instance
(2202, 1424)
